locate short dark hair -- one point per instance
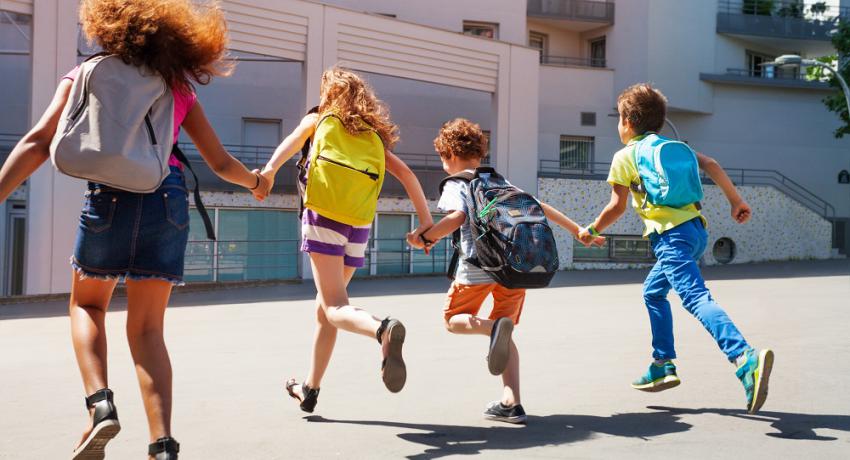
(644, 107)
(461, 138)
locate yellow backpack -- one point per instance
(346, 173)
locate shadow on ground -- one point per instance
(790, 426)
(550, 430)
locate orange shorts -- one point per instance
(468, 299)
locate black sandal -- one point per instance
(393, 370)
(104, 426)
(164, 449)
(309, 396)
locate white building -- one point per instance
(541, 76)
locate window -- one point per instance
(597, 52)
(487, 160)
(481, 29)
(576, 152)
(755, 67)
(389, 254)
(588, 118)
(617, 248)
(259, 139)
(252, 244)
(538, 41)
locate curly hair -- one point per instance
(181, 41)
(644, 107)
(353, 100)
(461, 138)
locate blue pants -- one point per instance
(678, 251)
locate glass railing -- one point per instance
(575, 10)
(794, 20)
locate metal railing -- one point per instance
(242, 260)
(575, 10)
(254, 156)
(280, 259)
(739, 176)
(797, 10)
(546, 59)
(773, 18)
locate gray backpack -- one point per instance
(117, 126)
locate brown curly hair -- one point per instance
(461, 138)
(644, 107)
(353, 100)
(184, 42)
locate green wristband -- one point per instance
(592, 230)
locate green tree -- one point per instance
(836, 101)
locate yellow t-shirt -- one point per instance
(657, 219)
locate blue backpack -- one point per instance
(513, 240)
(668, 170)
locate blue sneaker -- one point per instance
(754, 374)
(659, 377)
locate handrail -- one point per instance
(587, 10)
(821, 12)
(739, 176)
(547, 59)
(259, 155)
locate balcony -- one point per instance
(568, 61)
(428, 169)
(777, 20)
(766, 77)
(580, 11)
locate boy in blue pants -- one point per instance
(678, 239)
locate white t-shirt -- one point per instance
(456, 197)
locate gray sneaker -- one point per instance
(501, 413)
(500, 346)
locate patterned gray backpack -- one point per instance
(117, 126)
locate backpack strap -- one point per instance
(196, 191)
(302, 164)
(463, 176)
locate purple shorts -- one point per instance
(326, 236)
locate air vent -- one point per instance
(588, 118)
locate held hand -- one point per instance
(586, 238)
(420, 242)
(741, 212)
(415, 241)
(598, 242)
(263, 186)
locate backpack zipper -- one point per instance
(150, 128)
(79, 109)
(373, 176)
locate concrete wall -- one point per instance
(562, 42)
(768, 236)
(449, 14)
(764, 128)
(565, 92)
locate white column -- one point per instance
(54, 200)
(515, 104)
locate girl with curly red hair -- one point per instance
(138, 238)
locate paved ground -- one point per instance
(581, 342)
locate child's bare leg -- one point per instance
(510, 379)
(469, 324)
(330, 276)
(324, 340)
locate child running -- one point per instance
(352, 137)
(678, 239)
(462, 146)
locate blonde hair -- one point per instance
(352, 99)
(461, 138)
(184, 42)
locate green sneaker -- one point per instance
(754, 374)
(659, 377)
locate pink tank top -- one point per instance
(183, 103)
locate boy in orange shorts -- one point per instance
(462, 145)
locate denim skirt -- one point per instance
(124, 235)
